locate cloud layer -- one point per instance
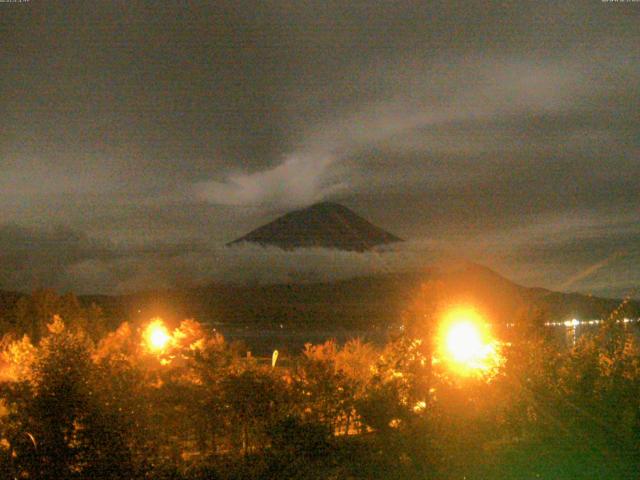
(156, 135)
(298, 181)
(555, 252)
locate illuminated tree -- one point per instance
(325, 394)
(599, 381)
(254, 401)
(74, 428)
(33, 312)
(356, 360)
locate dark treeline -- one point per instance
(83, 399)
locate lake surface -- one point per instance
(286, 340)
(262, 342)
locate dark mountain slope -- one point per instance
(373, 302)
(376, 301)
(327, 224)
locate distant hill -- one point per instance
(508, 302)
(375, 302)
(326, 224)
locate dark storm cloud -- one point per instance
(147, 126)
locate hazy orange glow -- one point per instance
(156, 336)
(466, 344)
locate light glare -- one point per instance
(156, 335)
(466, 345)
(464, 342)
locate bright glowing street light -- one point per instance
(156, 336)
(465, 343)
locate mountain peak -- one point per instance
(324, 224)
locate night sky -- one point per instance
(137, 138)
